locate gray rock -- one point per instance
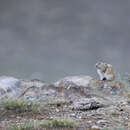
(29, 89)
(31, 83)
(37, 94)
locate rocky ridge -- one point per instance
(92, 103)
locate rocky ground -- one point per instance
(92, 104)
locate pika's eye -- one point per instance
(105, 64)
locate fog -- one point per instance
(51, 39)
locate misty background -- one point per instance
(51, 39)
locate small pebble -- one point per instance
(57, 110)
(95, 127)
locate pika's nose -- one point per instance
(96, 65)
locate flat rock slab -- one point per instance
(85, 104)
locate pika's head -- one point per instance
(101, 66)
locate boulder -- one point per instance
(108, 87)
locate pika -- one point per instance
(105, 71)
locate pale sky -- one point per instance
(50, 39)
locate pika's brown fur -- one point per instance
(105, 71)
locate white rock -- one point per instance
(78, 80)
(9, 85)
(94, 127)
(8, 82)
